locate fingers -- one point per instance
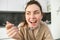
(9, 25)
(15, 35)
(13, 32)
(11, 29)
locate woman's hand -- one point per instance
(12, 31)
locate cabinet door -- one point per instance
(16, 5)
(3, 5)
(43, 4)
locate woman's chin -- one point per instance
(34, 25)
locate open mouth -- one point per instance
(33, 22)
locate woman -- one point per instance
(33, 28)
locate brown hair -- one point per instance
(34, 2)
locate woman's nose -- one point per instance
(32, 16)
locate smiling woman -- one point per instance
(33, 15)
(33, 28)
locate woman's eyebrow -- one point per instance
(28, 11)
(36, 10)
(33, 11)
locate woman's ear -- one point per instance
(42, 16)
(25, 16)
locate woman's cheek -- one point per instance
(39, 18)
(27, 18)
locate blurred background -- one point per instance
(13, 11)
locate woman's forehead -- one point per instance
(32, 7)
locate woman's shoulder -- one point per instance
(44, 25)
(21, 26)
(45, 28)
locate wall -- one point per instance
(12, 5)
(43, 4)
(55, 16)
(3, 5)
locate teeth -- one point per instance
(33, 22)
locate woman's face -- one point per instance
(33, 15)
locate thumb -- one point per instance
(9, 25)
(7, 22)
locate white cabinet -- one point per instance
(12, 5)
(3, 5)
(43, 4)
(19, 5)
(16, 5)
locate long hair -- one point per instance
(30, 3)
(34, 2)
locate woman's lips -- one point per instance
(33, 22)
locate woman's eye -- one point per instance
(36, 13)
(28, 13)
